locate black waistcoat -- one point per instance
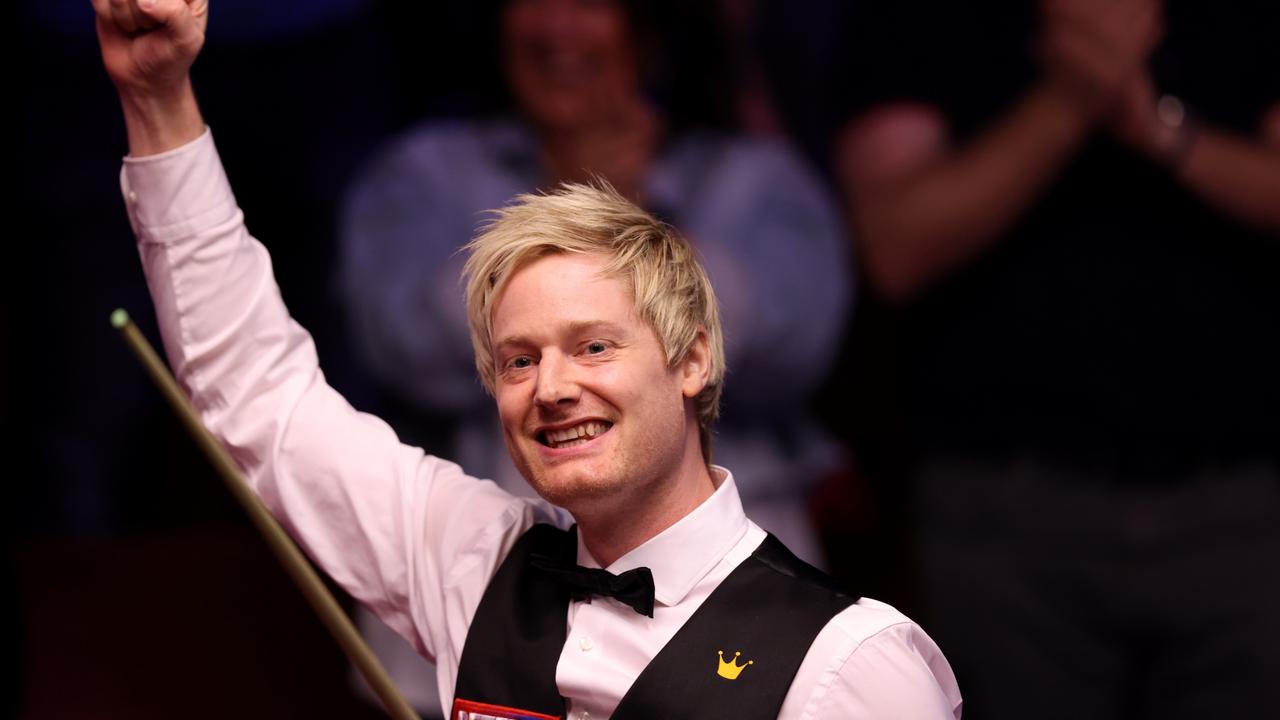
(769, 609)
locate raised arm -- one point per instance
(923, 206)
(380, 517)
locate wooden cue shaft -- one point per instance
(321, 600)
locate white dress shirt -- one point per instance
(414, 537)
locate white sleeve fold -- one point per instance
(381, 518)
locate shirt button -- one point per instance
(586, 644)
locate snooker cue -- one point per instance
(295, 564)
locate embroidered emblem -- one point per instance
(731, 670)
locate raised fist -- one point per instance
(148, 45)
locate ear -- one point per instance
(695, 368)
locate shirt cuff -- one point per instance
(178, 192)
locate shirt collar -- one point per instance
(684, 553)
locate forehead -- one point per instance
(561, 290)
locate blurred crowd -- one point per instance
(998, 283)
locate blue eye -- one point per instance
(595, 348)
(521, 362)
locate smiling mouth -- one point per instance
(577, 435)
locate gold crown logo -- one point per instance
(731, 670)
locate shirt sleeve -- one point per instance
(873, 662)
(897, 673)
(408, 534)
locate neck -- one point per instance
(612, 529)
(620, 147)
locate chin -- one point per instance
(557, 112)
(567, 487)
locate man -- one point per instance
(598, 334)
(583, 81)
(1076, 205)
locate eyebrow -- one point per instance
(577, 327)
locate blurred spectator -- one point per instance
(596, 92)
(1077, 206)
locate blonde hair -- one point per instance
(672, 291)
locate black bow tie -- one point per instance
(633, 587)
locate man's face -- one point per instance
(589, 408)
(569, 62)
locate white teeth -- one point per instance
(589, 429)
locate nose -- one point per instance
(556, 384)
